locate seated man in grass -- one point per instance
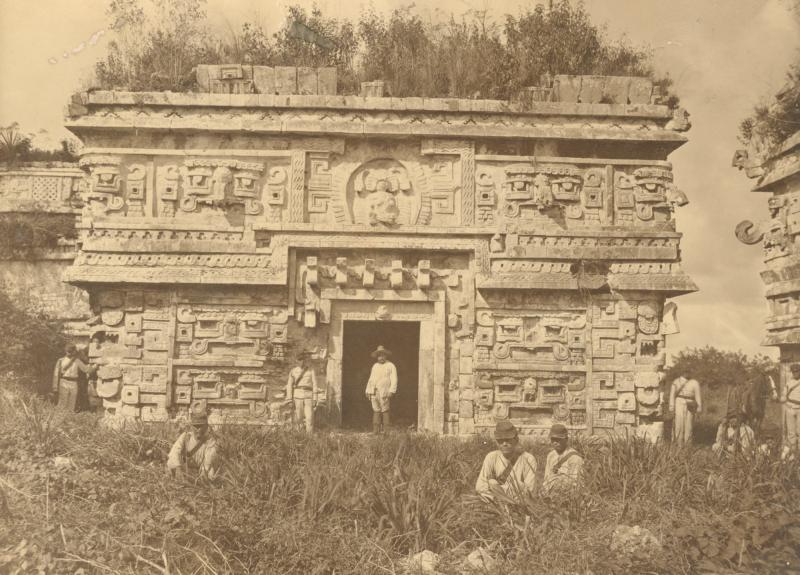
(564, 464)
(195, 450)
(733, 435)
(509, 470)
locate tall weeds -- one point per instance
(288, 502)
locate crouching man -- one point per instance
(733, 435)
(509, 470)
(195, 451)
(564, 464)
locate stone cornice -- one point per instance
(354, 116)
(350, 103)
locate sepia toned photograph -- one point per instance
(409, 288)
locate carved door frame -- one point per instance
(432, 351)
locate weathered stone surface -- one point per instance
(239, 228)
(777, 175)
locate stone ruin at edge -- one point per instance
(516, 257)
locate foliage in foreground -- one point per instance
(470, 56)
(289, 503)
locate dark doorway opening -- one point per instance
(360, 340)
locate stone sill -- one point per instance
(414, 104)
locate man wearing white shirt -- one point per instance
(301, 389)
(382, 385)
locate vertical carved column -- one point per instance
(468, 183)
(466, 152)
(297, 190)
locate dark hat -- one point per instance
(381, 350)
(199, 419)
(558, 431)
(305, 353)
(505, 430)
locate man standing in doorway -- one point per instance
(382, 385)
(302, 390)
(686, 402)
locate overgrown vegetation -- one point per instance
(16, 147)
(292, 503)
(466, 56)
(773, 122)
(25, 235)
(770, 124)
(31, 345)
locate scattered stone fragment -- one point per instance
(634, 540)
(480, 561)
(423, 562)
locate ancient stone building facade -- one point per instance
(779, 176)
(515, 257)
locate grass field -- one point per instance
(346, 503)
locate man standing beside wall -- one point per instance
(686, 402)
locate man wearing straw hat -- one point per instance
(302, 390)
(382, 385)
(564, 464)
(195, 449)
(509, 469)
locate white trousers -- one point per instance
(683, 425)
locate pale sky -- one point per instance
(724, 55)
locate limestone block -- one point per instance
(306, 80)
(130, 394)
(465, 365)
(154, 413)
(466, 409)
(467, 347)
(592, 88)
(264, 79)
(567, 88)
(626, 401)
(285, 80)
(640, 90)
(326, 81)
(183, 394)
(615, 90)
(129, 411)
(203, 75)
(156, 399)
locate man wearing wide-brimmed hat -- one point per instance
(382, 385)
(195, 450)
(302, 390)
(564, 465)
(509, 469)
